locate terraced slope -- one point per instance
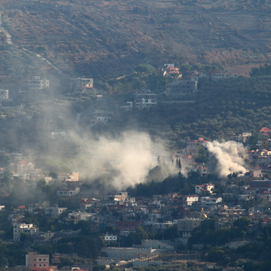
(101, 38)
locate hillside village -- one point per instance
(140, 230)
(135, 135)
(59, 220)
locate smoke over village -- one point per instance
(226, 158)
(135, 135)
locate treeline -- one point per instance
(261, 71)
(177, 183)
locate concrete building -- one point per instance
(38, 83)
(4, 94)
(81, 84)
(22, 166)
(110, 237)
(145, 99)
(186, 225)
(67, 192)
(85, 204)
(156, 244)
(189, 200)
(54, 212)
(192, 146)
(182, 87)
(121, 196)
(37, 262)
(74, 177)
(218, 75)
(19, 228)
(241, 137)
(101, 116)
(153, 217)
(58, 134)
(75, 217)
(210, 201)
(127, 252)
(207, 187)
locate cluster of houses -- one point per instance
(21, 165)
(116, 216)
(120, 215)
(261, 157)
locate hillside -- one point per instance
(104, 39)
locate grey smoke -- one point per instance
(227, 157)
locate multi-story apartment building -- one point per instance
(186, 225)
(37, 262)
(38, 83)
(54, 212)
(80, 84)
(19, 228)
(182, 87)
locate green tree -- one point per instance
(145, 68)
(203, 155)
(241, 223)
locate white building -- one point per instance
(54, 212)
(110, 237)
(19, 228)
(38, 83)
(189, 200)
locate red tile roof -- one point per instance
(265, 130)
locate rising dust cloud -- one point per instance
(127, 158)
(226, 158)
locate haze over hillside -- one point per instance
(108, 38)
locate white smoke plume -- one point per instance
(229, 157)
(127, 158)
